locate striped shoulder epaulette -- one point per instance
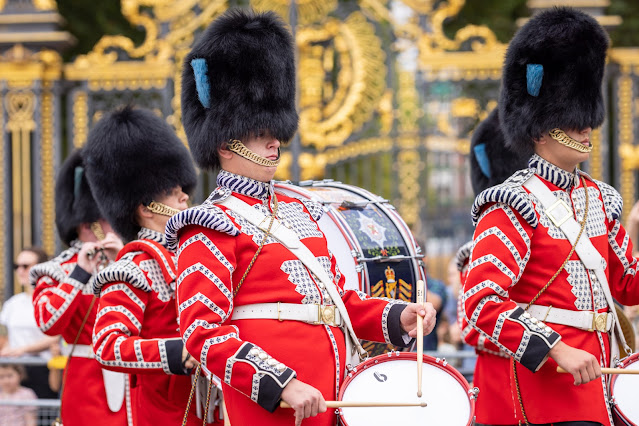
(52, 268)
(462, 255)
(124, 270)
(511, 193)
(207, 215)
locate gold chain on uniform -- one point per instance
(240, 149)
(259, 249)
(561, 137)
(197, 371)
(534, 299)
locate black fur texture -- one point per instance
(251, 71)
(131, 157)
(73, 208)
(571, 46)
(503, 161)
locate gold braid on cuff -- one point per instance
(162, 209)
(240, 149)
(561, 137)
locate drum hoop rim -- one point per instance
(427, 359)
(625, 362)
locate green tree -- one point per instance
(88, 21)
(501, 17)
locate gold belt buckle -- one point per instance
(328, 314)
(599, 321)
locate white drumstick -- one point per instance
(607, 371)
(338, 404)
(420, 337)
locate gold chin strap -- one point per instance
(97, 230)
(240, 149)
(162, 209)
(561, 137)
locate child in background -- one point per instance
(10, 389)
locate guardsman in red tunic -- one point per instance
(491, 162)
(64, 303)
(549, 252)
(141, 173)
(250, 310)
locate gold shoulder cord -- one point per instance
(534, 299)
(275, 208)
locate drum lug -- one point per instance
(473, 393)
(442, 360)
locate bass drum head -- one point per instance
(393, 378)
(624, 391)
(373, 246)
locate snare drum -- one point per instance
(392, 377)
(622, 389)
(373, 246)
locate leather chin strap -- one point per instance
(561, 137)
(162, 209)
(240, 149)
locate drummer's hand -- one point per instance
(583, 366)
(408, 318)
(188, 362)
(304, 399)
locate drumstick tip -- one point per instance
(419, 394)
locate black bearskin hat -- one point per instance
(74, 204)
(491, 162)
(552, 77)
(238, 79)
(132, 156)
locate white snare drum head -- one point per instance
(625, 393)
(396, 381)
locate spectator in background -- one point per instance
(24, 338)
(10, 389)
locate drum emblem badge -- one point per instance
(390, 287)
(374, 231)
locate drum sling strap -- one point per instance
(561, 215)
(289, 239)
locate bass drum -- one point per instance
(623, 388)
(373, 246)
(392, 378)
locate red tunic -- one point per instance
(215, 249)
(136, 330)
(516, 251)
(492, 369)
(61, 300)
